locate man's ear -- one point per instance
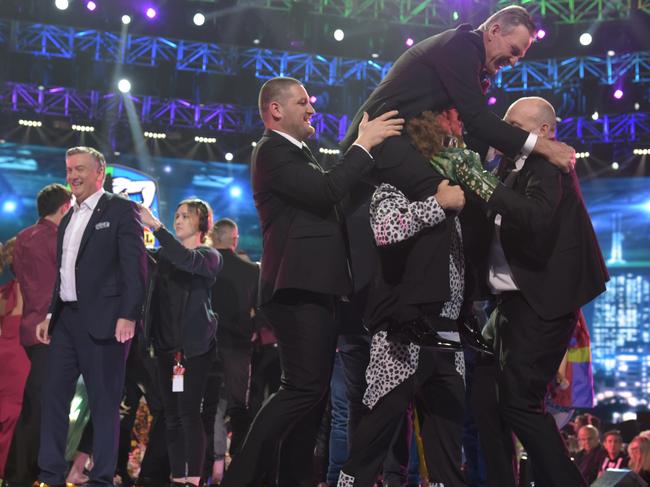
(275, 110)
(494, 30)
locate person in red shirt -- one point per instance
(34, 264)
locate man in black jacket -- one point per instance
(234, 295)
(448, 70)
(305, 272)
(543, 263)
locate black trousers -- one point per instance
(437, 388)
(22, 462)
(236, 366)
(186, 439)
(529, 352)
(102, 363)
(304, 325)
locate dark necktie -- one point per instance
(309, 155)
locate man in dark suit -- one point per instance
(543, 264)
(97, 299)
(234, 295)
(305, 272)
(448, 70)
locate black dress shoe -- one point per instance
(420, 331)
(471, 336)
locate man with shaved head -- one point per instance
(542, 263)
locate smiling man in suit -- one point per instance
(97, 300)
(450, 69)
(305, 272)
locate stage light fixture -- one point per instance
(611, 53)
(492, 100)
(229, 156)
(83, 128)
(541, 33)
(235, 192)
(30, 123)
(637, 106)
(313, 99)
(61, 4)
(198, 19)
(595, 115)
(329, 152)
(155, 135)
(585, 39)
(455, 15)
(124, 85)
(91, 6)
(339, 35)
(126, 19)
(582, 155)
(167, 169)
(375, 55)
(256, 41)
(151, 13)
(409, 42)
(205, 140)
(641, 152)
(618, 93)
(253, 144)
(615, 166)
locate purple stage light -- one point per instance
(409, 42)
(312, 99)
(618, 93)
(492, 100)
(151, 13)
(541, 33)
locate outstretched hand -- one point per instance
(148, 219)
(374, 132)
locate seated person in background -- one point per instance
(591, 455)
(639, 451)
(616, 457)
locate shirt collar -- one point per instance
(47, 223)
(291, 139)
(90, 202)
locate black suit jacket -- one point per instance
(548, 239)
(234, 295)
(110, 269)
(304, 237)
(440, 72)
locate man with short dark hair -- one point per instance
(35, 269)
(98, 297)
(234, 295)
(616, 457)
(305, 272)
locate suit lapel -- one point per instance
(94, 218)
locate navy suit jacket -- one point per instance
(110, 269)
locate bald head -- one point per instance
(533, 114)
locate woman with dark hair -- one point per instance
(183, 329)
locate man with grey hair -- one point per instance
(543, 263)
(98, 297)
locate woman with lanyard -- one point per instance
(182, 329)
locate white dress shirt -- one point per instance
(300, 145)
(500, 278)
(71, 242)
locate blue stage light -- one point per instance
(235, 192)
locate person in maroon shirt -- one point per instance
(34, 265)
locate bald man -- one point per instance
(542, 263)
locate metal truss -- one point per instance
(445, 13)
(220, 117)
(66, 42)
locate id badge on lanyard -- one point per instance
(178, 373)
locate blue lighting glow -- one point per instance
(235, 192)
(9, 206)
